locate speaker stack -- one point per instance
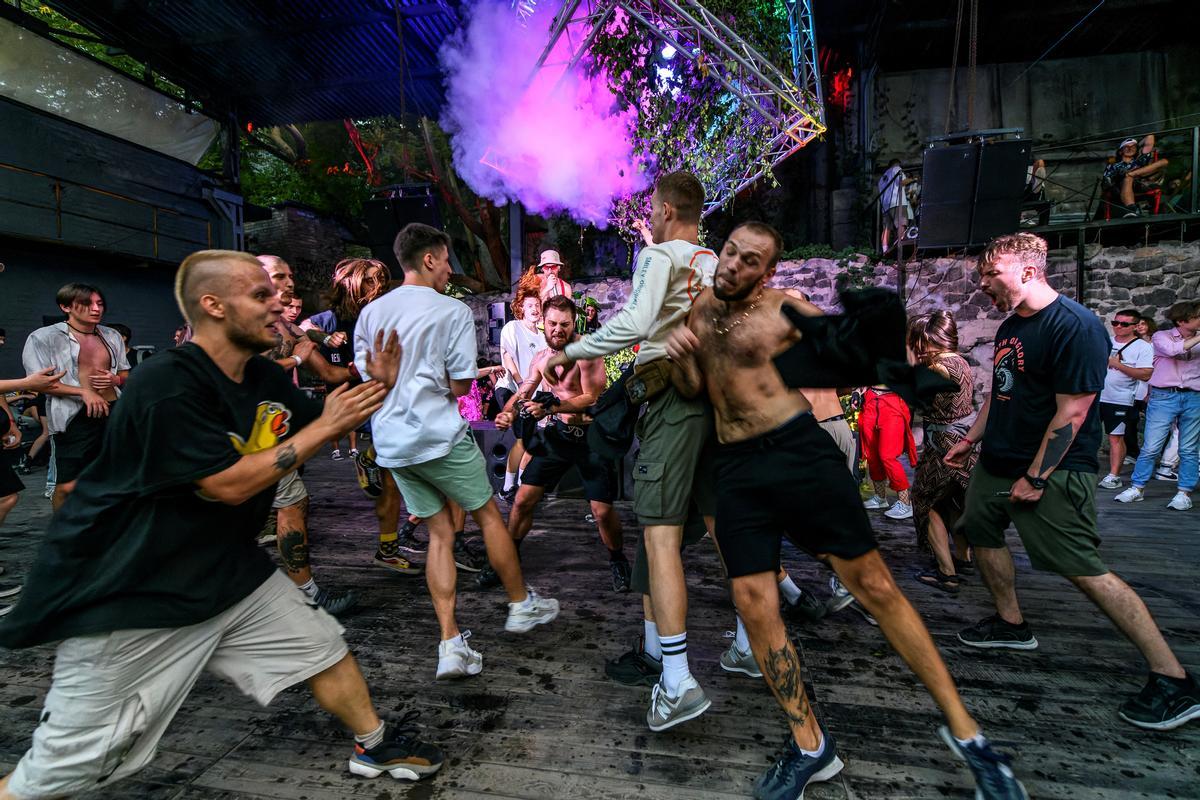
(391, 209)
(971, 190)
(494, 444)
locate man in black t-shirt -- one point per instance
(1037, 469)
(149, 574)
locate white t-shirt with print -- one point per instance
(1119, 388)
(419, 420)
(522, 345)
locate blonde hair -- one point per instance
(198, 274)
(1028, 247)
(348, 296)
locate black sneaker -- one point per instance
(336, 602)
(9, 589)
(620, 575)
(367, 471)
(406, 539)
(1163, 704)
(787, 777)
(994, 632)
(465, 558)
(487, 578)
(508, 495)
(807, 607)
(400, 754)
(634, 668)
(994, 779)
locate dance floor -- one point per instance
(542, 721)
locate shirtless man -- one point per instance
(93, 356)
(769, 442)
(291, 497)
(566, 438)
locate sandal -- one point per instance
(934, 577)
(964, 566)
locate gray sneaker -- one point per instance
(533, 611)
(667, 712)
(840, 596)
(734, 660)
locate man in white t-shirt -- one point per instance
(421, 438)
(893, 204)
(671, 483)
(1129, 366)
(520, 341)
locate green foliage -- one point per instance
(615, 362)
(117, 60)
(807, 251)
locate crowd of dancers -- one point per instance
(151, 571)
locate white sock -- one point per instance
(814, 753)
(510, 478)
(1112, 474)
(976, 739)
(310, 588)
(372, 739)
(741, 641)
(650, 644)
(791, 592)
(455, 641)
(520, 475)
(675, 662)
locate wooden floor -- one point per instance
(543, 722)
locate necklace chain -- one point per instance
(716, 322)
(92, 332)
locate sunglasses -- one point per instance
(1117, 324)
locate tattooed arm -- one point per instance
(1060, 433)
(345, 410)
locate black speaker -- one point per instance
(386, 215)
(971, 192)
(494, 444)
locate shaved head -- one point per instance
(209, 272)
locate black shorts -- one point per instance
(790, 481)
(567, 447)
(9, 482)
(502, 395)
(1113, 417)
(78, 445)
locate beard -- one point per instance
(734, 295)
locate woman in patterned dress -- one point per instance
(939, 490)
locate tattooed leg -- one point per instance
(292, 541)
(757, 600)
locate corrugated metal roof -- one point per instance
(280, 61)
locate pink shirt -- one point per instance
(1174, 367)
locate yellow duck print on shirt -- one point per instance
(272, 421)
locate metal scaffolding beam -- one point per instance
(783, 113)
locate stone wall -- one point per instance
(311, 244)
(1147, 278)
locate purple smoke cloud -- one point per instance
(555, 143)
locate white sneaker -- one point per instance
(899, 511)
(840, 596)
(336, 455)
(1131, 495)
(1129, 461)
(876, 502)
(1180, 502)
(1110, 481)
(1166, 474)
(530, 613)
(457, 660)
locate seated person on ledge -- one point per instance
(1127, 175)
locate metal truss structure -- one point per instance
(787, 112)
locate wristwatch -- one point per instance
(1037, 483)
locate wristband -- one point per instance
(298, 360)
(1037, 483)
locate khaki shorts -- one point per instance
(672, 434)
(289, 491)
(460, 475)
(114, 694)
(1058, 531)
(843, 437)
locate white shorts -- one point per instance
(113, 694)
(289, 491)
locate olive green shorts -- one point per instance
(1058, 531)
(672, 435)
